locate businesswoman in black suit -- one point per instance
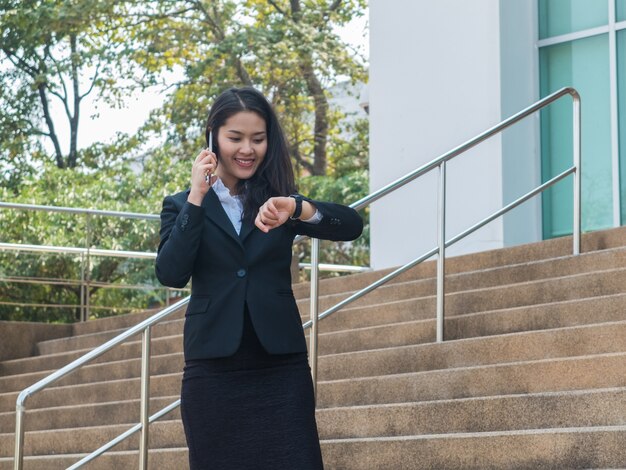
(247, 394)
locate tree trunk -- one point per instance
(73, 155)
(316, 91)
(320, 129)
(41, 88)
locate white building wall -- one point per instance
(434, 83)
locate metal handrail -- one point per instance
(440, 162)
(340, 268)
(78, 210)
(144, 328)
(314, 314)
(85, 306)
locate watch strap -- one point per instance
(298, 211)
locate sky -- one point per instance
(109, 121)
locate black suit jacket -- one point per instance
(229, 271)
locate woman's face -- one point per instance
(242, 142)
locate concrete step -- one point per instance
(368, 333)
(562, 342)
(607, 282)
(409, 289)
(611, 259)
(119, 321)
(546, 375)
(566, 448)
(129, 350)
(482, 414)
(486, 414)
(547, 249)
(163, 364)
(95, 392)
(93, 414)
(537, 317)
(510, 274)
(158, 459)
(91, 340)
(167, 432)
(538, 376)
(508, 320)
(594, 339)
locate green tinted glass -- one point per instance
(621, 109)
(620, 10)
(558, 17)
(583, 64)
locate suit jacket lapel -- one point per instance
(214, 211)
(246, 229)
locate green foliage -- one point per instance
(49, 49)
(117, 188)
(287, 49)
(56, 51)
(347, 182)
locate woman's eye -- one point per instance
(259, 141)
(235, 139)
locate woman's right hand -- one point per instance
(205, 163)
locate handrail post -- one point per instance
(88, 268)
(441, 260)
(577, 174)
(82, 286)
(314, 311)
(145, 398)
(19, 436)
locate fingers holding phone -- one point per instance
(202, 175)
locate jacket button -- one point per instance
(241, 273)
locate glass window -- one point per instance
(558, 17)
(620, 10)
(621, 109)
(584, 64)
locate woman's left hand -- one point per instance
(275, 212)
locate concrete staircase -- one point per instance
(532, 375)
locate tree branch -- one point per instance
(295, 153)
(295, 10)
(59, 73)
(21, 63)
(336, 4)
(278, 9)
(93, 83)
(217, 29)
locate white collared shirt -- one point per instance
(233, 206)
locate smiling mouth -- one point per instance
(244, 163)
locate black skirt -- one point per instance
(251, 410)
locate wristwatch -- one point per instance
(298, 211)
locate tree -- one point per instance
(288, 49)
(55, 50)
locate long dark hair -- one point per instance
(274, 177)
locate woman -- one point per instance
(247, 395)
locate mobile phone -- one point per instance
(207, 177)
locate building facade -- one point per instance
(442, 72)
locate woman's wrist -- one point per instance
(195, 198)
(308, 210)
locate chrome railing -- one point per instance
(85, 282)
(87, 252)
(145, 328)
(314, 295)
(440, 163)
